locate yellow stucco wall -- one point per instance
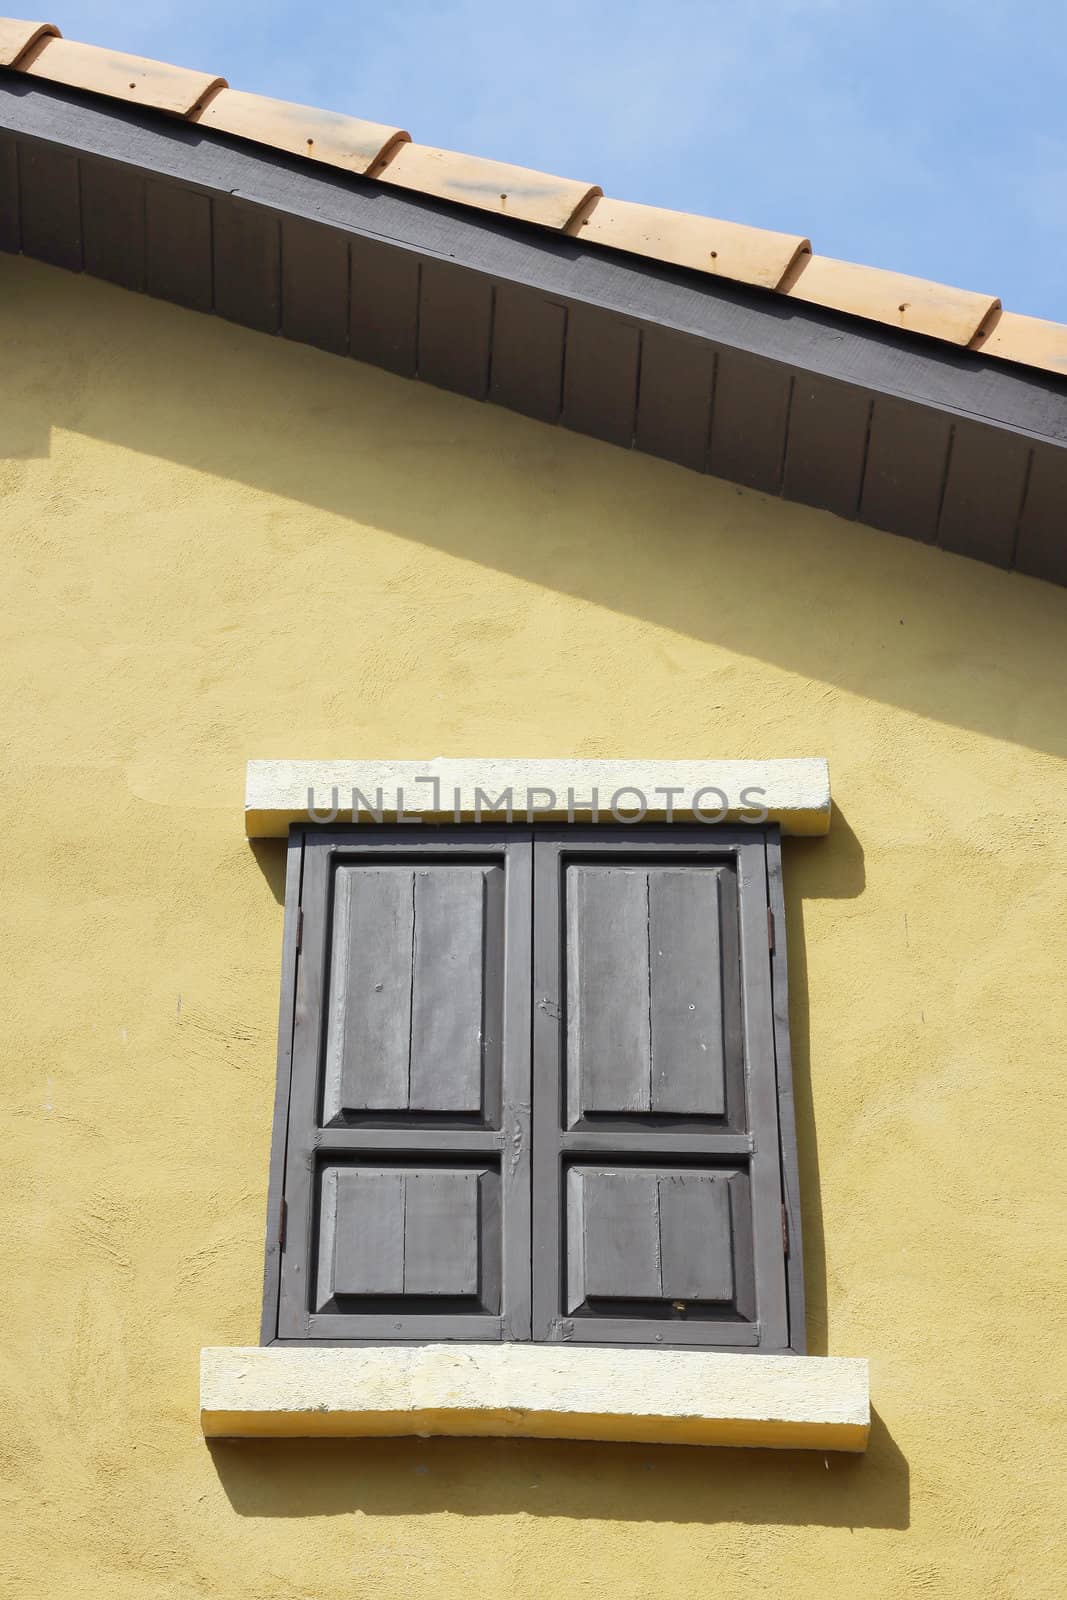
(218, 546)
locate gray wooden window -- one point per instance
(534, 1083)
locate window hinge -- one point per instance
(299, 927)
(770, 930)
(283, 1211)
(785, 1230)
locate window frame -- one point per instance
(761, 847)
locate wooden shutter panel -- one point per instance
(658, 1190)
(409, 1086)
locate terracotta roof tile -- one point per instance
(17, 37)
(147, 83)
(777, 262)
(321, 135)
(727, 249)
(911, 303)
(1029, 340)
(507, 191)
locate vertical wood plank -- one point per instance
(688, 1067)
(294, 864)
(247, 264)
(441, 1233)
(674, 399)
(10, 229)
(906, 459)
(600, 375)
(983, 492)
(314, 285)
(369, 1020)
(608, 1030)
(765, 1180)
(447, 988)
(178, 264)
(826, 445)
(696, 1247)
(1041, 550)
(369, 1231)
(384, 306)
(455, 320)
(787, 1121)
(526, 372)
(50, 205)
(748, 425)
(113, 223)
(620, 1220)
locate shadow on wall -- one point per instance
(632, 1483)
(934, 633)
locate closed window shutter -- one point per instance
(658, 1213)
(407, 1160)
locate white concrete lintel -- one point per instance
(537, 1391)
(792, 792)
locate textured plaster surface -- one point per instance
(538, 1391)
(218, 546)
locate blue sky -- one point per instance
(925, 135)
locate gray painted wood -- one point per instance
(456, 1003)
(748, 430)
(674, 398)
(368, 1038)
(50, 205)
(178, 245)
(600, 375)
(529, 331)
(647, 1234)
(441, 1234)
(465, 1256)
(644, 991)
(415, 1005)
(612, 1236)
(688, 1069)
(384, 315)
(744, 1279)
(787, 1121)
(315, 285)
(608, 1014)
(454, 328)
(696, 1236)
(984, 489)
(10, 229)
(294, 862)
(247, 265)
(113, 223)
(362, 1233)
(826, 448)
(1041, 546)
(907, 457)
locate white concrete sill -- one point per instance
(794, 791)
(536, 1391)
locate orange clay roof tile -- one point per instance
(914, 304)
(728, 249)
(176, 90)
(1029, 340)
(327, 136)
(17, 37)
(514, 192)
(777, 262)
